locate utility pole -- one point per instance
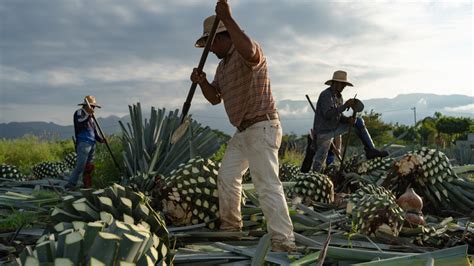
(414, 113)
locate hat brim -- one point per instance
(329, 82)
(201, 42)
(92, 104)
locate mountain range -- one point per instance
(296, 115)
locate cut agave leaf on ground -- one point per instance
(450, 256)
(262, 250)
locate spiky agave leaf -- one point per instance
(148, 147)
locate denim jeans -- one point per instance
(323, 141)
(85, 154)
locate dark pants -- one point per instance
(309, 156)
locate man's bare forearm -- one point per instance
(210, 92)
(243, 43)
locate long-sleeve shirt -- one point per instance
(328, 112)
(84, 127)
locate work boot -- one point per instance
(87, 176)
(309, 156)
(287, 246)
(374, 153)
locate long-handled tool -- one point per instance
(179, 132)
(338, 156)
(354, 113)
(103, 136)
(358, 107)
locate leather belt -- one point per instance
(249, 122)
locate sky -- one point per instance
(54, 52)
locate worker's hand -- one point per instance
(198, 76)
(89, 110)
(349, 103)
(223, 11)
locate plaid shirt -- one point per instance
(244, 87)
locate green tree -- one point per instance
(453, 127)
(411, 133)
(427, 131)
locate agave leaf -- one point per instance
(262, 250)
(147, 147)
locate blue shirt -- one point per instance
(84, 127)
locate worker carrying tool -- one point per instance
(86, 137)
(329, 121)
(242, 82)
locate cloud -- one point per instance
(126, 51)
(469, 109)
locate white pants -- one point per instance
(255, 148)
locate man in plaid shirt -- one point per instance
(241, 81)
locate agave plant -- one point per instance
(113, 203)
(431, 174)
(148, 150)
(11, 172)
(97, 243)
(49, 170)
(374, 207)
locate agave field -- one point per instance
(414, 208)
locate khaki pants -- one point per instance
(255, 148)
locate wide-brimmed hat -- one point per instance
(91, 100)
(340, 76)
(207, 25)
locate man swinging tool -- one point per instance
(329, 122)
(86, 136)
(242, 83)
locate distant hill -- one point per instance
(296, 116)
(49, 130)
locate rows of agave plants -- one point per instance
(168, 185)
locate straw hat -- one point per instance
(340, 76)
(207, 26)
(91, 100)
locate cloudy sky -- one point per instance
(54, 52)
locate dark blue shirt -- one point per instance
(328, 112)
(84, 127)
